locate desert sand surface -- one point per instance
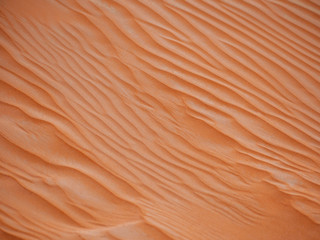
(160, 120)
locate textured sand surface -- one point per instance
(160, 120)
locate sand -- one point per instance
(160, 120)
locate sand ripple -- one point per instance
(160, 120)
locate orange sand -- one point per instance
(160, 120)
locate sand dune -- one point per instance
(160, 120)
